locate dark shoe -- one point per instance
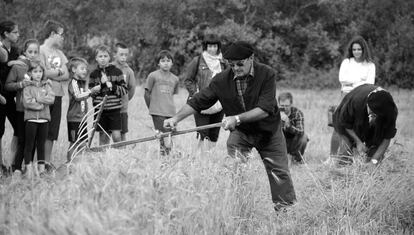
(282, 207)
(298, 160)
(5, 170)
(49, 168)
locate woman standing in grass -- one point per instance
(200, 71)
(9, 35)
(356, 69)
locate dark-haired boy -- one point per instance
(108, 80)
(160, 87)
(54, 62)
(121, 57)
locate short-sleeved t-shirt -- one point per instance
(352, 114)
(162, 86)
(53, 59)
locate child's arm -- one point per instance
(48, 97)
(60, 74)
(19, 61)
(131, 84)
(148, 89)
(94, 84)
(12, 83)
(147, 97)
(30, 102)
(119, 85)
(74, 91)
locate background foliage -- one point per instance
(303, 40)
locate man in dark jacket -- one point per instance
(246, 91)
(365, 121)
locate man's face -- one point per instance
(121, 55)
(285, 106)
(102, 57)
(241, 67)
(372, 117)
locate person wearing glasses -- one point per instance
(247, 91)
(9, 35)
(293, 127)
(366, 122)
(55, 63)
(199, 73)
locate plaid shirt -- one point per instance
(241, 84)
(296, 120)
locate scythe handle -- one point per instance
(157, 136)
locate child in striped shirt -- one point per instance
(108, 80)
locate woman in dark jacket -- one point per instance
(199, 73)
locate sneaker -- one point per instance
(49, 167)
(17, 174)
(28, 172)
(41, 169)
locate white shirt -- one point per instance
(353, 74)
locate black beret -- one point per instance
(238, 51)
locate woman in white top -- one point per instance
(356, 69)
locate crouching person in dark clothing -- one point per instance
(246, 91)
(293, 127)
(365, 121)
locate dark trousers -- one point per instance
(19, 156)
(272, 150)
(296, 146)
(36, 134)
(159, 125)
(8, 110)
(205, 119)
(335, 142)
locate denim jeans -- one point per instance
(272, 150)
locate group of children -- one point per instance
(37, 78)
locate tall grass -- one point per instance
(135, 190)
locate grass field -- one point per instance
(136, 191)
